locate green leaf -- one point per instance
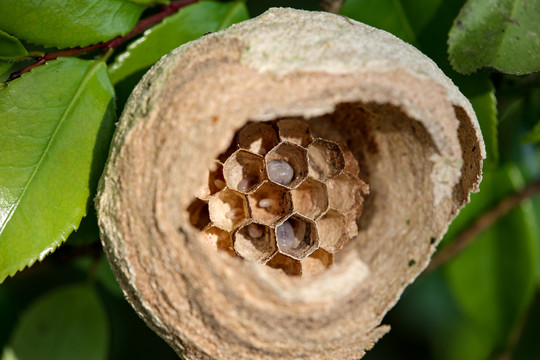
(404, 19)
(11, 47)
(68, 23)
(502, 34)
(87, 232)
(4, 69)
(56, 125)
(424, 24)
(68, 323)
(150, 2)
(533, 135)
(527, 347)
(493, 280)
(188, 24)
(7, 67)
(464, 341)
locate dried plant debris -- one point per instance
(281, 198)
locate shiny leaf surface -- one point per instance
(54, 133)
(67, 23)
(188, 24)
(10, 47)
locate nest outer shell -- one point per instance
(416, 139)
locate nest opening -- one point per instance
(342, 152)
(300, 187)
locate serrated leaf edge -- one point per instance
(57, 242)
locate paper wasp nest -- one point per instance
(281, 198)
(261, 141)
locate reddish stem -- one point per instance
(484, 222)
(141, 26)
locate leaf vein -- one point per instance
(69, 108)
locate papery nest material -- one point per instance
(415, 138)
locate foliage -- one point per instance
(50, 159)
(188, 24)
(57, 121)
(10, 47)
(499, 34)
(59, 315)
(66, 23)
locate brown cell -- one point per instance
(269, 203)
(286, 264)
(243, 171)
(317, 262)
(257, 137)
(310, 198)
(214, 183)
(287, 154)
(254, 242)
(351, 164)
(332, 229)
(297, 237)
(228, 209)
(295, 131)
(345, 192)
(219, 239)
(325, 159)
(199, 215)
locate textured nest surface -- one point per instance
(413, 134)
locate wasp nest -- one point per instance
(281, 198)
(214, 150)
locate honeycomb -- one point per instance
(282, 198)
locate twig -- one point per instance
(482, 223)
(141, 26)
(331, 6)
(517, 333)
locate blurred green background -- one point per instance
(484, 303)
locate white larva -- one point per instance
(285, 236)
(234, 214)
(245, 184)
(280, 171)
(219, 184)
(264, 203)
(255, 231)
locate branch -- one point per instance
(141, 26)
(482, 223)
(519, 329)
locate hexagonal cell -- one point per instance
(254, 242)
(257, 137)
(218, 239)
(310, 198)
(215, 182)
(346, 192)
(199, 215)
(332, 231)
(317, 262)
(284, 158)
(295, 131)
(269, 203)
(325, 159)
(284, 263)
(243, 171)
(297, 237)
(228, 209)
(351, 164)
